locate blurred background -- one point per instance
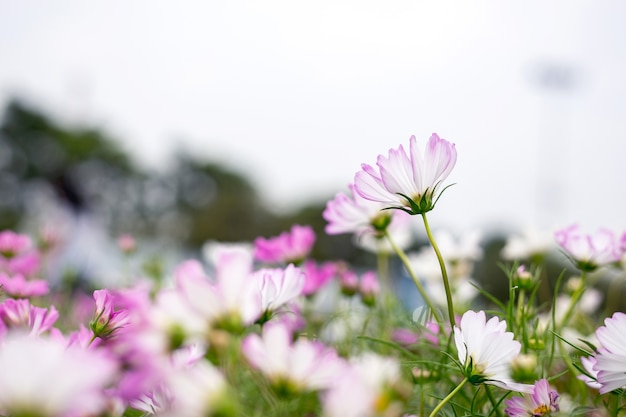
(183, 122)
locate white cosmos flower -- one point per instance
(43, 377)
(410, 181)
(486, 351)
(611, 356)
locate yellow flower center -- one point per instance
(542, 410)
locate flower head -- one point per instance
(288, 247)
(42, 377)
(291, 367)
(611, 356)
(590, 251)
(486, 351)
(408, 182)
(542, 402)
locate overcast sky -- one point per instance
(299, 94)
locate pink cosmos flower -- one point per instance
(355, 214)
(288, 247)
(17, 286)
(232, 299)
(21, 314)
(611, 356)
(279, 286)
(12, 244)
(43, 377)
(542, 402)
(590, 251)
(291, 367)
(317, 276)
(591, 378)
(486, 350)
(107, 321)
(369, 386)
(408, 182)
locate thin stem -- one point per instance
(448, 398)
(492, 400)
(416, 281)
(444, 272)
(382, 260)
(574, 300)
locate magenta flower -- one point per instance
(486, 351)
(303, 365)
(107, 321)
(21, 314)
(590, 251)
(408, 182)
(17, 286)
(288, 247)
(611, 356)
(317, 276)
(542, 401)
(12, 244)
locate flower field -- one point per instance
(261, 328)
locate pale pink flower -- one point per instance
(45, 378)
(355, 214)
(279, 286)
(591, 376)
(231, 298)
(127, 243)
(366, 388)
(611, 355)
(288, 247)
(590, 251)
(369, 285)
(542, 401)
(408, 182)
(21, 314)
(19, 287)
(302, 365)
(486, 350)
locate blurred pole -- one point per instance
(556, 82)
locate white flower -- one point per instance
(44, 378)
(486, 351)
(611, 356)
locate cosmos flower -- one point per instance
(371, 385)
(486, 350)
(291, 367)
(19, 287)
(590, 251)
(42, 377)
(21, 314)
(542, 401)
(409, 182)
(288, 247)
(232, 299)
(611, 356)
(279, 286)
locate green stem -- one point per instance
(574, 300)
(448, 398)
(444, 273)
(416, 281)
(492, 400)
(382, 260)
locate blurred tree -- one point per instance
(86, 172)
